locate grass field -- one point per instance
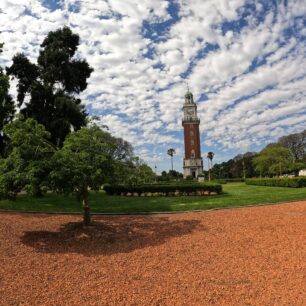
(235, 194)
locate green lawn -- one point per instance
(235, 194)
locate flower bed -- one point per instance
(164, 190)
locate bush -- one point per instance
(171, 189)
(235, 180)
(294, 182)
(219, 181)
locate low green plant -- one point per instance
(162, 189)
(235, 180)
(294, 182)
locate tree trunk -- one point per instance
(86, 208)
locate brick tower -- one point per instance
(193, 162)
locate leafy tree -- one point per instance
(296, 144)
(52, 84)
(171, 152)
(273, 160)
(28, 162)
(7, 108)
(85, 162)
(138, 173)
(296, 167)
(242, 165)
(171, 175)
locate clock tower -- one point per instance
(193, 162)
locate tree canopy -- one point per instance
(7, 107)
(28, 162)
(273, 160)
(52, 84)
(87, 160)
(296, 144)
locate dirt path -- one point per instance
(248, 256)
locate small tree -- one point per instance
(85, 161)
(28, 162)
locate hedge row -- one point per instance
(294, 182)
(234, 180)
(163, 190)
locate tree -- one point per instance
(210, 156)
(52, 84)
(273, 160)
(137, 173)
(171, 152)
(171, 175)
(7, 108)
(28, 162)
(296, 144)
(242, 165)
(85, 162)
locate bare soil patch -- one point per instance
(248, 256)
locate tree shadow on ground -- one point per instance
(110, 235)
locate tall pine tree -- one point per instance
(7, 107)
(53, 84)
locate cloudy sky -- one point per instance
(244, 61)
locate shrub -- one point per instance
(170, 189)
(235, 180)
(294, 182)
(220, 181)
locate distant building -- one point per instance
(193, 162)
(302, 172)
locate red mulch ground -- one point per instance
(248, 256)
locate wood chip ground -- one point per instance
(247, 256)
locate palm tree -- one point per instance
(210, 156)
(171, 152)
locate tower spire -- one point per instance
(188, 95)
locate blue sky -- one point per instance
(243, 60)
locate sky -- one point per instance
(244, 62)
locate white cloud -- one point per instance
(253, 76)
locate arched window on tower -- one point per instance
(191, 133)
(192, 154)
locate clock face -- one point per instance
(190, 112)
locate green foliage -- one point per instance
(164, 189)
(238, 167)
(273, 160)
(28, 163)
(85, 161)
(52, 84)
(170, 175)
(134, 172)
(235, 180)
(296, 144)
(7, 108)
(294, 182)
(237, 194)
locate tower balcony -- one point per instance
(191, 120)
